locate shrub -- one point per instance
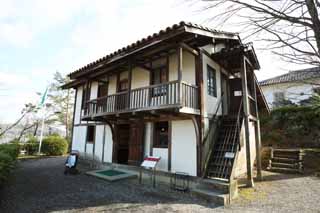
(32, 139)
(54, 145)
(12, 149)
(31, 148)
(8, 155)
(291, 126)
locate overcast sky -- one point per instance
(39, 37)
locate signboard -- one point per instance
(238, 93)
(150, 161)
(229, 155)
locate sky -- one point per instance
(40, 37)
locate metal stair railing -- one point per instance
(211, 136)
(235, 149)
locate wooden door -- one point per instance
(122, 143)
(136, 143)
(235, 95)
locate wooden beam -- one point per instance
(189, 49)
(180, 67)
(246, 110)
(129, 83)
(257, 133)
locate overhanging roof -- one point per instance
(152, 40)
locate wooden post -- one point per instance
(180, 64)
(246, 119)
(257, 132)
(129, 84)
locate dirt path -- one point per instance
(40, 186)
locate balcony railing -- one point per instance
(172, 94)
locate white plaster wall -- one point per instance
(89, 150)
(79, 138)
(112, 87)
(124, 75)
(188, 68)
(108, 146)
(147, 138)
(163, 153)
(184, 147)
(294, 92)
(210, 101)
(99, 142)
(241, 167)
(77, 114)
(140, 78)
(94, 90)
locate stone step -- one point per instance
(284, 170)
(292, 157)
(216, 197)
(216, 184)
(284, 160)
(284, 165)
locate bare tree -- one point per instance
(28, 108)
(290, 28)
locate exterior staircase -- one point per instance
(286, 161)
(218, 184)
(224, 150)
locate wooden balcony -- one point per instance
(170, 95)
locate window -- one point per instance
(102, 89)
(211, 81)
(123, 85)
(278, 98)
(161, 135)
(85, 96)
(159, 76)
(90, 134)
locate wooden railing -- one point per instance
(166, 95)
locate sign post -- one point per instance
(151, 163)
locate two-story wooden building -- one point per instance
(187, 94)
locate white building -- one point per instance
(176, 94)
(294, 87)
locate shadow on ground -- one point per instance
(41, 186)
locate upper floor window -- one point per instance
(85, 95)
(159, 76)
(211, 81)
(102, 89)
(123, 85)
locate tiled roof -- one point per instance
(293, 76)
(147, 40)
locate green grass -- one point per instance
(110, 172)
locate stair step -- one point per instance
(284, 160)
(219, 184)
(293, 157)
(284, 170)
(216, 197)
(284, 165)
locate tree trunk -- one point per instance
(312, 9)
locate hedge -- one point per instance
(291, 126)
(54, 145)
(8, 155)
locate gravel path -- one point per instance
(40, 186)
